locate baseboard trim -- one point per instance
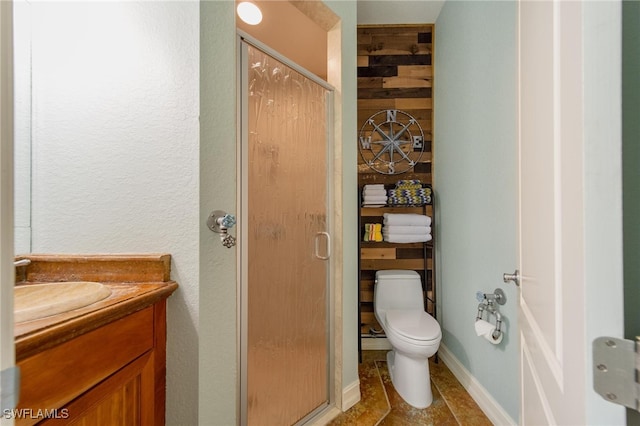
(351, 395)
(485, 401)
(375, 344)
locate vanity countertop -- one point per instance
(136, 282)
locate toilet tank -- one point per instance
(397, 289)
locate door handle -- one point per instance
(515, 278)
(317, 245)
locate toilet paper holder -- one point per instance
(488, 303)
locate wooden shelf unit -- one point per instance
(377, 256)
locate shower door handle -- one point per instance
(317, 245)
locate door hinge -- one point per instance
(9, 388)
(616, 370)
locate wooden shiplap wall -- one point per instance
(395, 72)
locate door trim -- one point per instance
(288, 62)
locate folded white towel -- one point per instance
(374, 186)
(374, 192)
(376, 198)
(407, 229)
(400, 238)
(406, 219)
(418, 234)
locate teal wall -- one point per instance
(346, 10)
(476, 184)
(217, 336)
(631, 172)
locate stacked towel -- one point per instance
(407, 219)
(409, 184)
(374, 195)
(406, 228)
(410, 192)
(372, 232)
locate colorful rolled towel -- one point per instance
(377, 234)
(410, 196)
(408, 182)
(423, 192)
(372, 232)
(409, 201)
(409, 187)
(406, 219)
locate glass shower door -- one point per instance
(285, 320)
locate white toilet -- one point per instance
(414, 335)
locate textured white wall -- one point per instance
(115, 149)
(476, 184)
(119, 166)
(22, 124)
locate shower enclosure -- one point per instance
(285, 312)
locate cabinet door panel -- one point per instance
(122, 399)
(54, 377)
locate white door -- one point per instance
(555, 232)
(7, 273)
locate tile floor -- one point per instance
(381, 404)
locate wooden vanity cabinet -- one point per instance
(112, 375)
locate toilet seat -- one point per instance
(414, 325)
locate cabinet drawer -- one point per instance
(54, 377)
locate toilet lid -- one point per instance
(413, 324)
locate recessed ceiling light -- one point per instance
(249, 13)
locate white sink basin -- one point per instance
(33, 301)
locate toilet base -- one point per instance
(410, 378)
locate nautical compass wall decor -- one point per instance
(391, 142)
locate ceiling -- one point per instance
(398, 11)
(290, 32)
